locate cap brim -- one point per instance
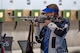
(47, 10)
(43, 13)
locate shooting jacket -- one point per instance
(52, 37)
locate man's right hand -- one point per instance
(47, 22)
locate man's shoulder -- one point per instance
(65, 19)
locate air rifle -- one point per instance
(39, 19)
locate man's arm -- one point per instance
(59, 31)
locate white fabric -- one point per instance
(59, 40)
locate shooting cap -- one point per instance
(47, 10)
(51, 8)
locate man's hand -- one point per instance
(47, 22)
(37, 39)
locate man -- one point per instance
(52, 35)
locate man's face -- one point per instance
(49, 14)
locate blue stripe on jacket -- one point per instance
(46, 39)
